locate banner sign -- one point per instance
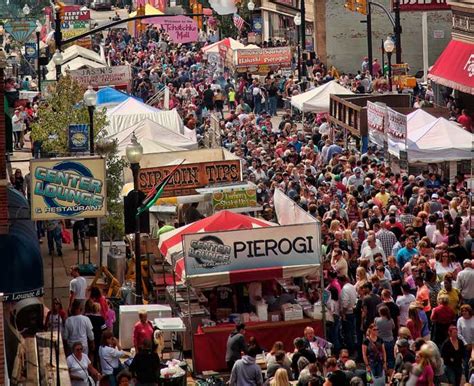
(257, 24)
(189, 177)
(245, 198)
(103, 76)
(423, 5)
(17, 296)
(20, 30)
(65, 188)
(246, 249)
(375, 122)
(75, 12)
(277, 56)
(30, 51)
(396, 129)
(78, 138)
(181, 29)
(74, 22)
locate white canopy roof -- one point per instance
(130, 112)
(74, 64)
(438, 141)
(73, 52)
(317, 99)
(157, 138)
(418, 119)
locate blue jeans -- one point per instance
(389, 347)
(54, 237)
(348, 328)
(333, 333)
(257, 103)
(272, 105)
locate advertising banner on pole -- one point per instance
(20, 30)
(244, 198)
(423, 5)
(181, 29)
(246, 249)
(30, 51)
(78, 138)
(375, 123)
(103, 76)
(396, 129)
(66, 188)
(76, 21)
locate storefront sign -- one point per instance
(280, 56)
(190, 177)
(17, 296)
(396, 129)
(375, 122)
(288, 3)
(76, 21)
(181, 29)
(102, 76)
(423, 5)
(245, 198)
(78, 138)
(68, 188)
(20, 30)
(227, 251)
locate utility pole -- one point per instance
(398, 32)
(303, 35)
(369, 38)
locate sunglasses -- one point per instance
(78, 349)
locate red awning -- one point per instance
(455, 67)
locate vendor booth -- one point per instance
(228, 254)
(110, 97)
(131, 111)
(317, 100)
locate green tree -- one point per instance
(63, 107)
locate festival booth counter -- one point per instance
(244, 269)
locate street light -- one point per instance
(389, 46)
(26, 10)
(2, 31)
(297, 21)
(38, 50)
(90, 100)
(58, 60)
(251, 5)
(134, 153)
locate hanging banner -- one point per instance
(247, 249)
(66, 188)
(103, 76)
(20, 30)
(396, 129)
(30, 51)
(276, 56)
(181, 29)
(245, 198)
(375, 123)
(422, 5)
(76, 21)
(78, 138)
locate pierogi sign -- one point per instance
(245, 249)
(181, 29)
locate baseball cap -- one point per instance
(467, 262)
(357, 170)
(434, 195)
(403, 343)
(360, 224)
(392, 208)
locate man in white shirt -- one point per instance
(403, 302)
(78, 328)
(371, 249)
(465, 282)
(348, 302)
(77, 287)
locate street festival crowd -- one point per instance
(397, 257)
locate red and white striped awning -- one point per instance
(170, 243)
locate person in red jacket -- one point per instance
(465, 120)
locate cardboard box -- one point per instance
(274, 316)
(292, 312)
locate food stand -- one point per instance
(218, 258)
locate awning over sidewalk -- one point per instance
(455, 67)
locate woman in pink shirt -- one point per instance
(423, 360)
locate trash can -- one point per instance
(117, 263)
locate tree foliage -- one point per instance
(63, 106)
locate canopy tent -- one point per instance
(74, 64)
(228, 42)
(154, 138)
(74, 52)
(439, 141)
(418, 119)
(149, 10)
(110, 97)
(130, 112)
(317, 99)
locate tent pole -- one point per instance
(190, 328)
(321, 273)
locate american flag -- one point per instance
(238, 21)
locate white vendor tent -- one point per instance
(439, 141)
(156, 135)
(130, 112)
(418, 119)
(317, 99)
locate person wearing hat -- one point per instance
(357, 179)
(404, 355)
(435, 205)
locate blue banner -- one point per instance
(31, 52)
(78, 138)
(257, 24)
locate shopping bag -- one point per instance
(66, 236)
